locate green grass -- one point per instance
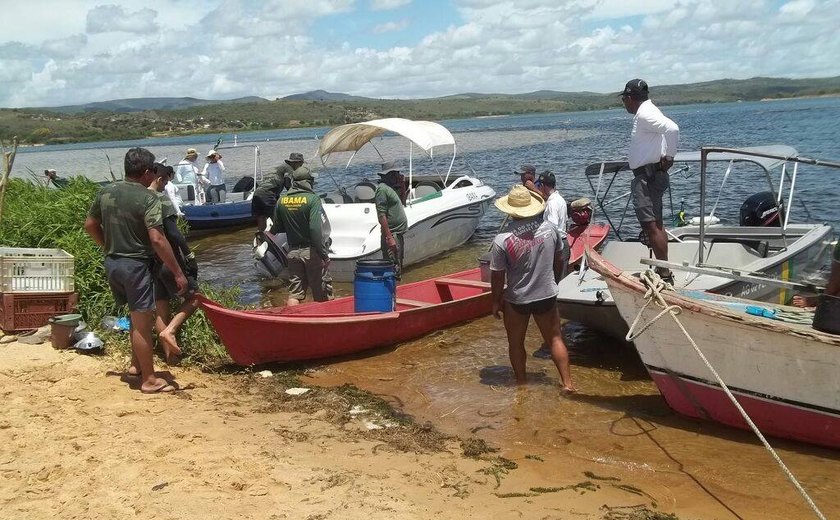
(41, 217)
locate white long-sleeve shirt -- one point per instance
(215, 173)
(172, 193)
(186, 172)
(556, 212)
(654, 136)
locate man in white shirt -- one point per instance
(556, 212)
(653, 143)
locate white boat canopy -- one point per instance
(352, 137)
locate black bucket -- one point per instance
(827, 314)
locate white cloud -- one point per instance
(386, 5)
(113, 18)
(390, 27)
(229, 48)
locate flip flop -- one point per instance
(162, 389)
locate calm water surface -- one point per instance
(460, 378)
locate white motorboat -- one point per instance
(781, 250)
(443, 210)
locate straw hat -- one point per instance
(520, 203)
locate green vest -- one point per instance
(299, 214)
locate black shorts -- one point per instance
(165, 286)
(130, 280)
(262, 204)
(535, 308)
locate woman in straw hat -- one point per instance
(530, 259)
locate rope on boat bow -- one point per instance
(655, 285)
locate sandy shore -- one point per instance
(78, 442)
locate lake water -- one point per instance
(460, 379)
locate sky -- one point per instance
(64, 52)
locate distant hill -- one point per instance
(144, 117)
(144, 104)
(323, 95)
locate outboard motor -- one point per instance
(580, 211)
(762, 209)
(270, 254)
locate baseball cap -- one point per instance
(635, 88)
(527, 168)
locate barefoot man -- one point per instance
(125, 220)
(165, 287)
(530, 259)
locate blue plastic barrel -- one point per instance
(374, 286)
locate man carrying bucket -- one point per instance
(530, 259)
(391, 215)
(299, 214)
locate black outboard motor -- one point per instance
(762, 209)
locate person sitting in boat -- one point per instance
(300, 215)
(391, 215)
(530, 261)
(52, 177)
(164, 281)
(528, 175)
(556, 211)
(214, 173)
(265, 196)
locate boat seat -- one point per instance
(466, 283)
(364, 191)
(412, 303)
(336, 198)
(424, 188)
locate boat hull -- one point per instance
(423, 240)
(784, 375)
(589, 301)
(327, 329)
(217, 216)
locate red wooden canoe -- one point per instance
(325, 329)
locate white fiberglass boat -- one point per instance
(766, 244)
(442, 210)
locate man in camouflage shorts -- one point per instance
(125, 220)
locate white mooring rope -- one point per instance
(655, 285)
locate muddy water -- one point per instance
(617, 426)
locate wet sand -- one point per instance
(79, 443)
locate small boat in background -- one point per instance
(783, 374)
(235, 211)
(326, 329)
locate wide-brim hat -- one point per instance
(191, 151)
(211, 153)
(294, 157)
(388, 167)
(521, 202)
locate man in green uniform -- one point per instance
(265, 196)
(126, 221)
(391, 215)
(299, 214)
